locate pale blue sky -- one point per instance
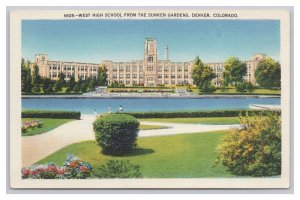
(123, 40)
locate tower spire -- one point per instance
(166, 52)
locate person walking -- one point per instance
(109, 110)
(120, 109)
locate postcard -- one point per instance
(150, 98)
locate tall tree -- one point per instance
(268, 73)
(202, 76)
(46, 85)
(71, 83)
(234, 71)
(26, 85)
(102, 76)
(36, 78)
(61, 79)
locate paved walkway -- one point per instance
(34, 148)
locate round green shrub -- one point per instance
(116, 133)
(118, 169)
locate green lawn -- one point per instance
(151, 127)
(177, 156)
(197, 120)
(48, 124)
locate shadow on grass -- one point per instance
(136, 152)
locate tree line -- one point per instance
(267, 75)
(32, 82)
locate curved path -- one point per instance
(35, 148)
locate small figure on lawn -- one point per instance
(120, 109)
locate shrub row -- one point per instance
(240, 93)
(51, 114)
(220, 113)
(53, 93)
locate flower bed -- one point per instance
(31, 125)
(73, 168)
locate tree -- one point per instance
(71, 83)
(46, 83)
(102, 76)
(268, 73)
(61, 79)
(254, 149)
(234, 71)
(57, 86)
(92, 83)
(249, 87)
(36, 78)
(202, 76)
(26, 85)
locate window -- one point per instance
(186, 76)
(114, 76)
(186, 68)
(150, 79)
(115, 68)
(166, 68)
(141, 67)
(159, 76)
(121, 76)
(172, 76)
(179, 68)
(127, 68)
(179, 76)
(134, 76)
(159, 68)
(150, 68)
(141, 76)
(121, 69)
(150, 59)
(127, 75)
(134, 68)
(166, 76)
(173, 68)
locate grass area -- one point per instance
(177, 156)
(196, 120)
(48, 124)
(151, 127)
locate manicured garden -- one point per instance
(184, 155)
(48, 125)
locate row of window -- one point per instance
(173, 76)
(173, 82)
(114, 76)
(127, 68)
(69, 67)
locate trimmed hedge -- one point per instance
(53, 93)
(218, 113)
(116, 133)
(51, 114)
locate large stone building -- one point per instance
(150, 71)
